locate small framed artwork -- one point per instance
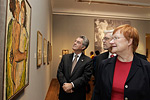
(45, 51)
(65, 52)
(39, 49)
(17, 48)
(50, 55)
(48, 52)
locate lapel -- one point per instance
(106, 55)
(134, 67)
(110, 68)
(70, 63)
(79, 63)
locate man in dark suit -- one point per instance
(72, 79)
(106, 46)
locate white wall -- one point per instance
(39, 78)
(67, 27)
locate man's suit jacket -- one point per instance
(99, 58)
(80, 76)
(137, 85)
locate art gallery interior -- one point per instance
(60, 22)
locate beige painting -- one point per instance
(39, 48)
(45, 52)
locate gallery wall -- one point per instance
(39, 78)
(66, 28)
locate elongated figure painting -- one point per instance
(16, 68)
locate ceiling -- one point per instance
(131, 9)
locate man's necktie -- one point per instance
(111, 56)
(74, 63)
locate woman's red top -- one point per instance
(121, 72)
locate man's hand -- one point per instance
(67, 87)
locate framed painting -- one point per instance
(50, 55)
(39, 49)
(65, 52)
(104, 24)
(45, 51)
(17, 48)
(49, 52)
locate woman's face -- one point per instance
(119, 43)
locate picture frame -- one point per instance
(65, 52)
(45, 51)
(39, 48)
(17, 48)
(50, 55)
(49, 52)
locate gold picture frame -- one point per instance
(65, 52)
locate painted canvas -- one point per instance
(104, 24)
(65, 52)
(39, 49)
(49, 52)
(45, 52)
(16, 67)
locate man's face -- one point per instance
(78, 46)
(107, 38)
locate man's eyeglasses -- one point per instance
(106, 38)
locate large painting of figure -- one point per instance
(104, 24)
(16, 67)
